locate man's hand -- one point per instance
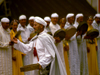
(78, 33)
(14, 40)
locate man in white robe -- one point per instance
(82, 49)
(25, 34)
(5, 48)
(74, 63)
(46, 50)
(78, 19)
(53, 24)
(30, 25)
(70, 20)
(47, 20)
(96, 25)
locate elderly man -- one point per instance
(96, 25)
(5, 49)
(53, 24)
(70, 20)
(46, 50)
(78, 19)
(31, 23)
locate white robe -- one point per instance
(53, 27)
(96, 26)
(25, 34)
(82, 48)
(74, 62)
(5, 52)
(67, 25)
(47, 53)
(31, 29)
(76, 24)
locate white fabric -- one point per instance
(53, 15)
(40, 21)
(82, 48)
(31, 18)
(46, 52)
(69, 15)
(47, 19)
(31, 29)
(53, 27)
(25, 33)
(22, 17)
(74, 62)
(5, 52)
(97, 26)
(97, 15)
(4, 19)
(67, 25)
(61, 51)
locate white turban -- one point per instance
(79, 15)
(47, 19)
(22, 17)
(5, 20)
(40, 21)
(31, 18)
(69, 15)
(54, 15)
(97, 15)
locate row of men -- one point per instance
(40, 47)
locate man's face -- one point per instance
(31, 22)
(71, 20)
(80, 19)
(97, 20)
(23, 22)
(37, 27)
(47, 23)
(5, 25)
(54, 20)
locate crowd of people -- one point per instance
(45, 42)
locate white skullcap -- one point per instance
(69, 15)
(40, 21)
(31, 18)
(97, 15)
(5, 19)
(54, 15)
(79, 15)
(47, 19)
(22, 17)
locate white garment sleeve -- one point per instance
(25, 48)
(44, 56)
(3, 44)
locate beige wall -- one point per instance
(93, 3)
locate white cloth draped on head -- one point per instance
(54, 15)
(31, 18)
(47, 19)
(69, 15)
(97, 15)
(40, 21)
(22, 17)
(4, 19)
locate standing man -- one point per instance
(78, 19)
(70, 20)
(96, 25)
(5, 49)
(53, 24)
(25, 34)
(46, 50)
(31, 23)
